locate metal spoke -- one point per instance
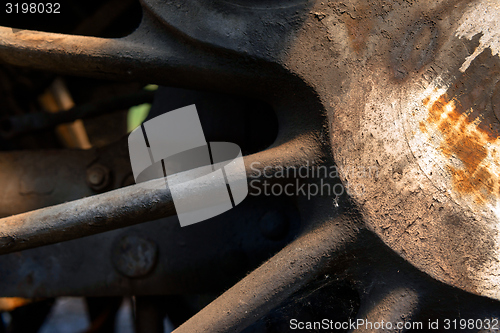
(286, 273)
(87, 216)
(393, 305)
(123, 207)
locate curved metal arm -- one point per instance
(152, 54)
(137, 56)
(284, 274)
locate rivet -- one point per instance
(134, 256)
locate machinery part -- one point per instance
(15, 125)
(134, 256)
(66, 221)
(295, 266)
(403, 88)
(98, 177)
(111, 210)
(227, 249)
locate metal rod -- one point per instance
(126, 206)
(284, 274)
(389, 304)
(87, 216)
(16, 125)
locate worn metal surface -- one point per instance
(408, 88)
(56, 177)
(433, 164)
(115, 209)
(226, 249)
(297, 265)
(86, 216)
(134, 255)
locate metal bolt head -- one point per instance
(98, 177)
(134, 256)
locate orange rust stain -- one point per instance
(359, 27)
(463, 139)
(423, 127)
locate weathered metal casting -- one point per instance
(407, 87)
